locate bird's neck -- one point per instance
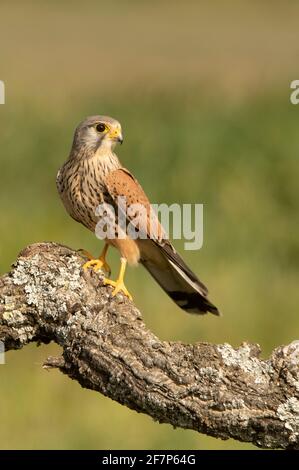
(103, 156)
(106, 162)
(97, 164)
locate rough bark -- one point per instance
(213, 389)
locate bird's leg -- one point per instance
(119, 285)
(99, 263)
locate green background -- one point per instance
(203, 94)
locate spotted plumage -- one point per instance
(93, 175)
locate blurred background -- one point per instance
(202, 90)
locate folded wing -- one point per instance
(158, 256)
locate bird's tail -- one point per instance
(177, 280)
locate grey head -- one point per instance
(97, 134)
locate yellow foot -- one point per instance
(97, 264)
(119, 286)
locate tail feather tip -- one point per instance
(194, 302)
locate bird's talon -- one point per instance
(103, 265)
(89, 264)
(119, 286)
(97, 264)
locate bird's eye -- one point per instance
(100, 127)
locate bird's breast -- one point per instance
(82, 188)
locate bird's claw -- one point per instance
(97, 264)
(119, 286)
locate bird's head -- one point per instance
(97, 134)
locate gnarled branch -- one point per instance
(214, 389)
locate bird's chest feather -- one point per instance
(82, 189)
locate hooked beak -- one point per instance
(116, 135)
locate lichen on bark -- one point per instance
(214, 389)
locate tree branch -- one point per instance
(213, 389)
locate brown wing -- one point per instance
(121, 183)
(157, 254)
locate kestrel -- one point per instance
(93, 175)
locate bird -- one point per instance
(93, 175)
